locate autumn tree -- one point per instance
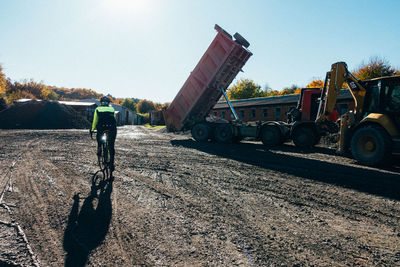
(3, 88)
(268, 92)
(119, 101)
(289, 90)
(165, 105)
(315, 84)
(3, 82)
(74, 93)
(145, 106)
(244, 89)
(376, 67)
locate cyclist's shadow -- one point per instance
(87, 227)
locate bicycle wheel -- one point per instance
(107, 161)
(100, 158)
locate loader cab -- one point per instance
(391, 99)
(383, 96)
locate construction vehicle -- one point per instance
(301, 126)
(275, 133)
(371, 131)
(206, 84)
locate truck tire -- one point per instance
(223, 133)
(240, 40)
(237, 139)
(371, 145)
(271, 136)
(201, 132)
(304, 137)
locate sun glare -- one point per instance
(126, 7)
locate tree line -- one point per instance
(246, 88)
(10, 91)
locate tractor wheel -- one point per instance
(223, 133)
(304, 137)
(271, 136)
(201, 132)
(371, 145)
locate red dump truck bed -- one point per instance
(218, 67)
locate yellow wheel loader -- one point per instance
(371, 131)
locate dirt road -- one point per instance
(178, 202)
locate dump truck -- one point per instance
(206, 84)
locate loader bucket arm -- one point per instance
(334, 80)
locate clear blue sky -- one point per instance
(147, 48)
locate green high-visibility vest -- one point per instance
(101, 109)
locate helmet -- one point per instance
(105, 101)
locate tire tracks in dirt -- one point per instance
(176, 202)
(13, 223)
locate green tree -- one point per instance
(244, 89)
(145, 106)
(376, 67)
(268, 91)
(129, 103)
(289, 90)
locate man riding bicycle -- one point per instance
(104, 120)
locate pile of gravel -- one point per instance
(41, 115)
(3, 104)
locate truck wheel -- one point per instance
(223, 133)
(271, 136)
(240, 39)
(237, 139)
(304, 137)
(201, 132)
(371, 145)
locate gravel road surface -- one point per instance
(177, 202)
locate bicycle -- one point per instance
(104, 158)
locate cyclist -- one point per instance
(104, 119)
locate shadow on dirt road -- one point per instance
(87, 227)
(370, 181)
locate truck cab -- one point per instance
(307, 106)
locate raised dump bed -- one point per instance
(217, 68)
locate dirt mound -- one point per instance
(3, 104)
(41, 115)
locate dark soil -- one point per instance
(177, 202)
(41, 115)
(3, 104)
